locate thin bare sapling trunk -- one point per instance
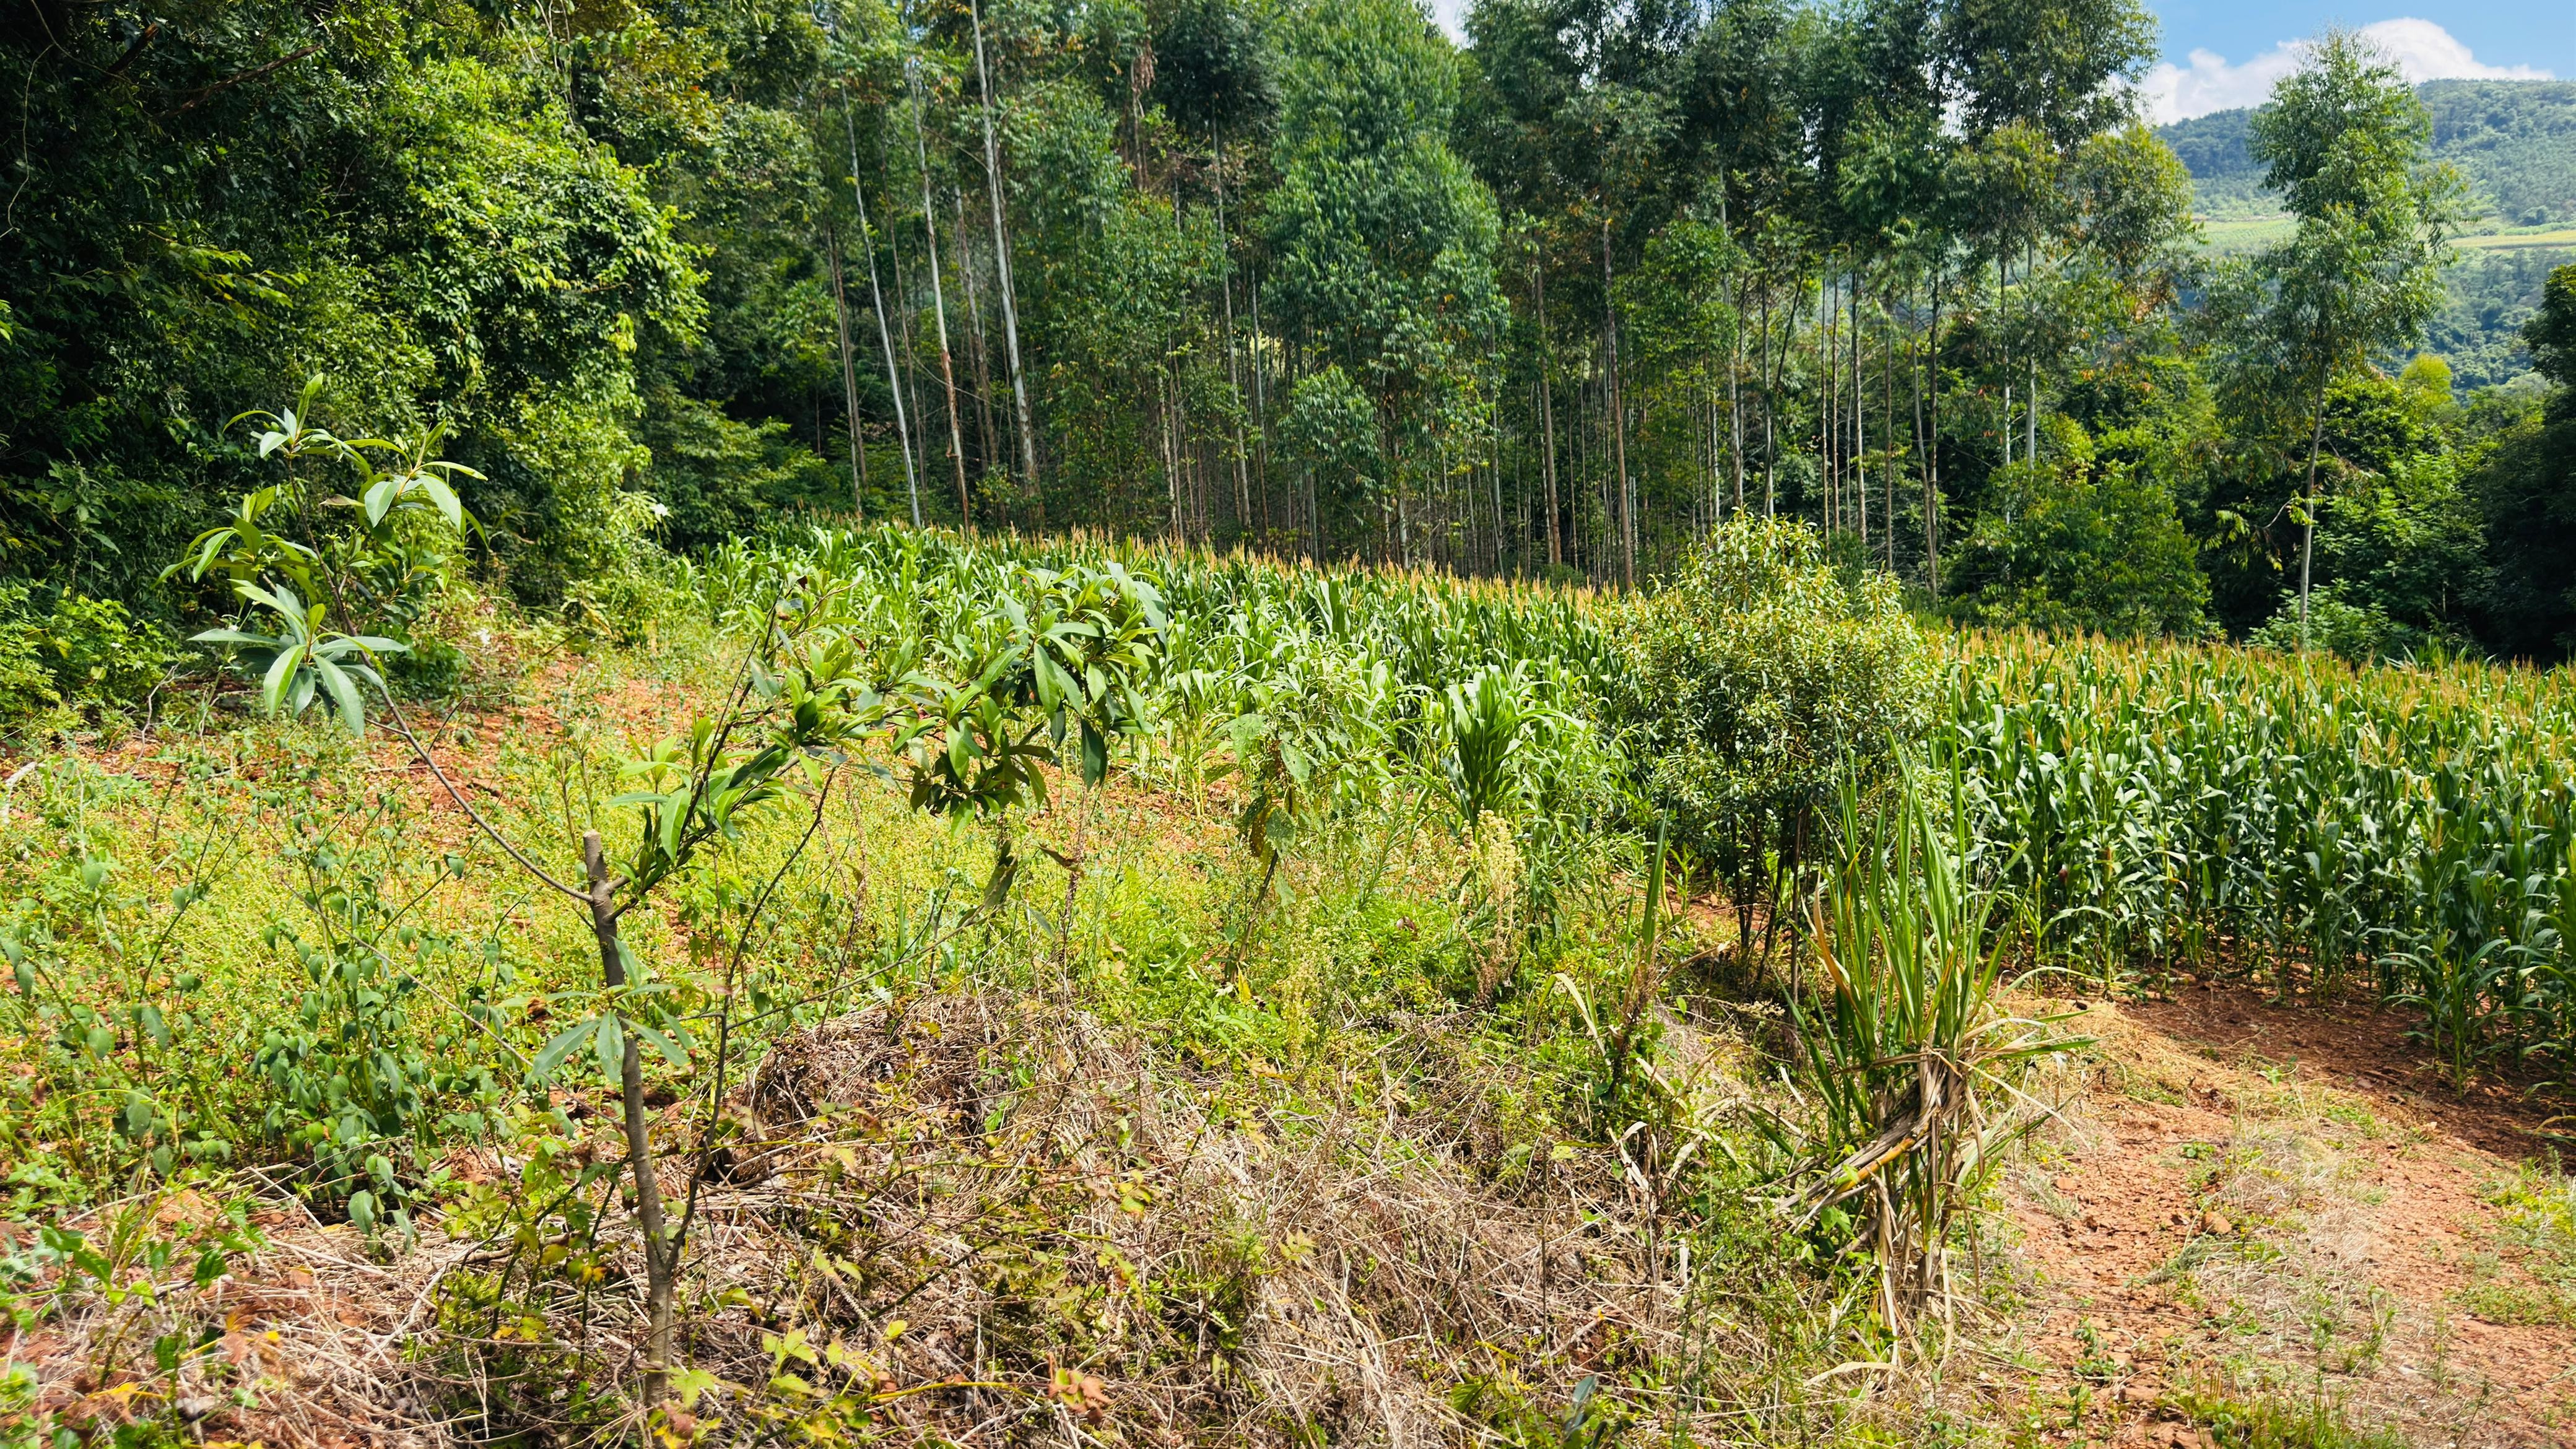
(849, 377)
(661, 1268)
(939, 307)
(876, 295)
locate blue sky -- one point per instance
(2222, 53)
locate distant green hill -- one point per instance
(2514, 142)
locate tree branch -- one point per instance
(206, 93)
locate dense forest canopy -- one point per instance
(1303, 277)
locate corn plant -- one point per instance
(1485, 719)
(2407, 829)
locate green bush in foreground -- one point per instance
(1760, 680)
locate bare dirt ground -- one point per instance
(2250, 1200)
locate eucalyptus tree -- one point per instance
(2055, 65)
(1382, 242)
(2349, 147)
(1744, 125)
(2032, 80)
(1892, 187)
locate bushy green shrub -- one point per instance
(2355, 632)
(83, 653)
(1760, 678)
(2071, 545)
(25, 685)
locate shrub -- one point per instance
(25, 685)
(85, 653)
(1760, 678)
(2071, 545)
(2357, 633)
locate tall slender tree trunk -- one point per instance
(1829, 356)
(876, 295)
(1547, 417)
(1002, 265)
(910, 353)
(1860, 420)
(2308, 524)
(1887, 420)
(1932, 451)
(1260, 404)
(939, 307)
(1618, 418)
(2030, 415)
(1494, 465)
(984, 431)
(2001, 264)
(1163, 437)
(849, 375)
(1922, 441)
(1233, 373)
(1770, 411)
(1735, 395)
(2030, 405)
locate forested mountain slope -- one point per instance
(2515, 142)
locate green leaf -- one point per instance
(281, 598)
(675, 814)
(281, 670)
(344, 694)
(610, 1044)
(445, 499)
(561, 1045)
(661, 1042)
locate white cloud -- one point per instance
(2422, 50)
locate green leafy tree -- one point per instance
(2074, 545)
(2347, 145)
(2526, 492)
(1759, 680)
(2047, 64)
(404, 198)
(1382, 241)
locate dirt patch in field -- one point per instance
(2282, 1203)
(2364, 1049)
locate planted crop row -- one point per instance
(2236, 809)
(2151, 806)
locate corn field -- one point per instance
(2223, 809)
(2146, 808)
